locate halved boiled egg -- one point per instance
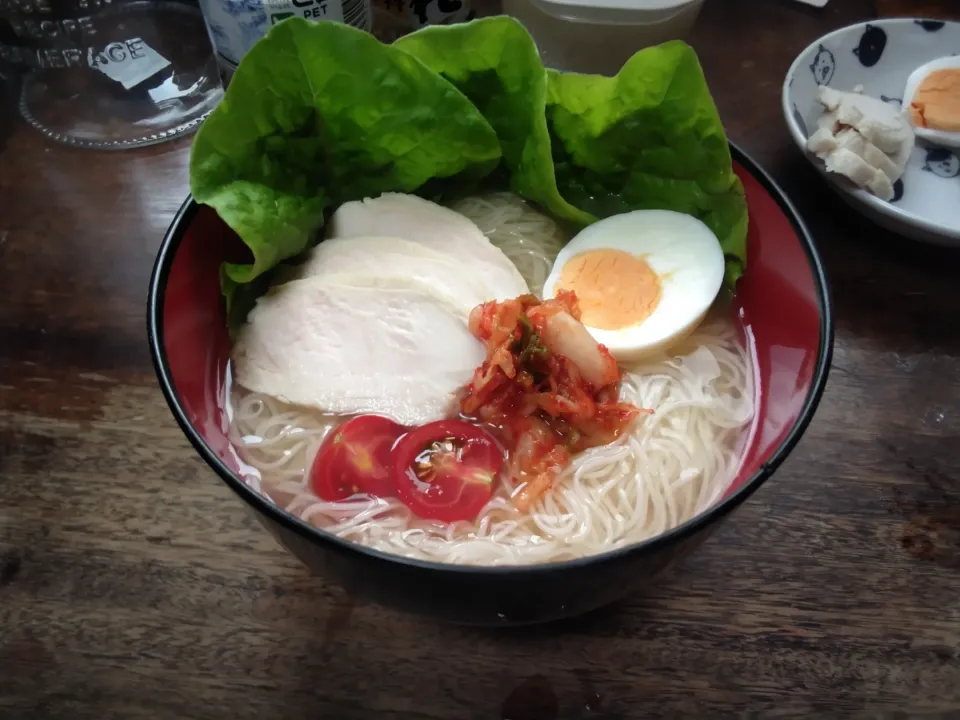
(644, 279)
(931, 101)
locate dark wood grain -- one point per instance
(133, 585)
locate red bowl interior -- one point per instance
(781, 300)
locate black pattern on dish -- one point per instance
(872, 43)
(891, 100)
(941, 163)
(823, 67)
(897, 191)
(798, 119)
(931, 25)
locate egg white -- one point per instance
(937, 137)
(680, 249)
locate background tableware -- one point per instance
(880, 55)
(785, 306)
(109, 75)
(598, 37)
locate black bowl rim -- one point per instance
(155, 307)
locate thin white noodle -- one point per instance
(529, 238)
(673, 464)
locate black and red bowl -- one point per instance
(783, 302)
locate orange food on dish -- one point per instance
(936, 104)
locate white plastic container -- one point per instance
(599, 36)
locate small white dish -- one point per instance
(880, 55)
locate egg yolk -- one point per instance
(615, 289)
(936, 104)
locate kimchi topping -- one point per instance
(547, 388)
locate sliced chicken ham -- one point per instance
(351, 343)
(435, 227)
(396, 257)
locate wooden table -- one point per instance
(134, 585)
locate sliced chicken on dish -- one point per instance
(862, 138)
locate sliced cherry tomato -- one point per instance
(355, 458)
(446, 470)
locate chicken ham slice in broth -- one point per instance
(354, 344)
(435, 227)
(376, 256)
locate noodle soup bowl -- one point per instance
(782, 302)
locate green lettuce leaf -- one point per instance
(321, 113)
(650, 137)
(495, 63)
(318, 114)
